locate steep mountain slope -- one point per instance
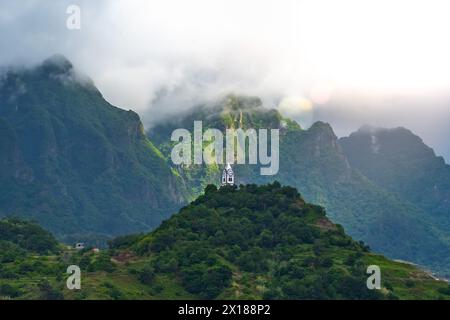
(249, 243)
(312, 160)
(399, 161)
(75, 163)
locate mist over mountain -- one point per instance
(75, 163)
(161, 56)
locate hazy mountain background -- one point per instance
(399, 161)
(161, 57)
(251, 242)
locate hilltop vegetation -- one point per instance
(251, 242)
(257, 242)
(260, 242)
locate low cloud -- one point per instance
(327, 60)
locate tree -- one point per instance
(210, 188)
(7, 290)
(217, 278)
(146, 275)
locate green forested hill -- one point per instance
(313, 161)
(255, 242)
(75, 163)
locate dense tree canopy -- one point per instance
(265, 238)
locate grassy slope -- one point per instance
(123, 284)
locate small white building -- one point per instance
(79, 245)
(228, 176)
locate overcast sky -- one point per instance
(385, 63)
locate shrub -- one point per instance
(146, 275)
(47, 292)
(7, 290)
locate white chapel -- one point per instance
(228, 175)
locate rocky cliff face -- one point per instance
(12, 165)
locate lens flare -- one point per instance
(299, 108)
